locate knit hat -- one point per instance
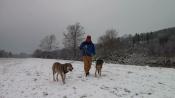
(88, 38)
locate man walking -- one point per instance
(87, 50)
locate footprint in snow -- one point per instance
(112, 79)
(33, 88)
(95, 84)
(79, 76)
(45, 94)
(83, 96)
(22, 92)
(74, 88)
(126, 90)
(130, 72)
(104, 87)
(37, 74)
(64, 96)
(103, 75)
(35, 79)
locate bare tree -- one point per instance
(73, 37)
(108, 42)
(48, 43)
(110, 36)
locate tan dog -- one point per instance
(61, 69)
(99, 64)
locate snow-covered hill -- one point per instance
(32, 78)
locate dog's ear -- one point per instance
(68, 64)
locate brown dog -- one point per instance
(99, 64)
(61, 69)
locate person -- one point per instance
(87, 51)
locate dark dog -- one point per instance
(99, 64)
(61, 69)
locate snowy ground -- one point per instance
(32, 78)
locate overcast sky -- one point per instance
(23, 23)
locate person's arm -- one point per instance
(82, 45)
(93, 46)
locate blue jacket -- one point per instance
(87, 49)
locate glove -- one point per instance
(94, 58)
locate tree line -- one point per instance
(8, 54)
(5, 54)
(151, 48)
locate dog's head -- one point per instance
(69, 67)
(99, 62)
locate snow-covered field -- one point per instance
(32, 78)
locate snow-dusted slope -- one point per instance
(32, 78)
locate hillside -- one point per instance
(155, 48)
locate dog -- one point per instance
(61, 69)
(99, 65)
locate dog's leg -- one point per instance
(96, 73)
(62, 77)
(54, 76)
(100, 72)
(57, 76)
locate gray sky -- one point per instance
(23, 23)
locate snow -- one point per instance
(32, 78)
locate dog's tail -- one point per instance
(98, 71)
(95, 59)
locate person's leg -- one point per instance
(89, 62)
(86, 68)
